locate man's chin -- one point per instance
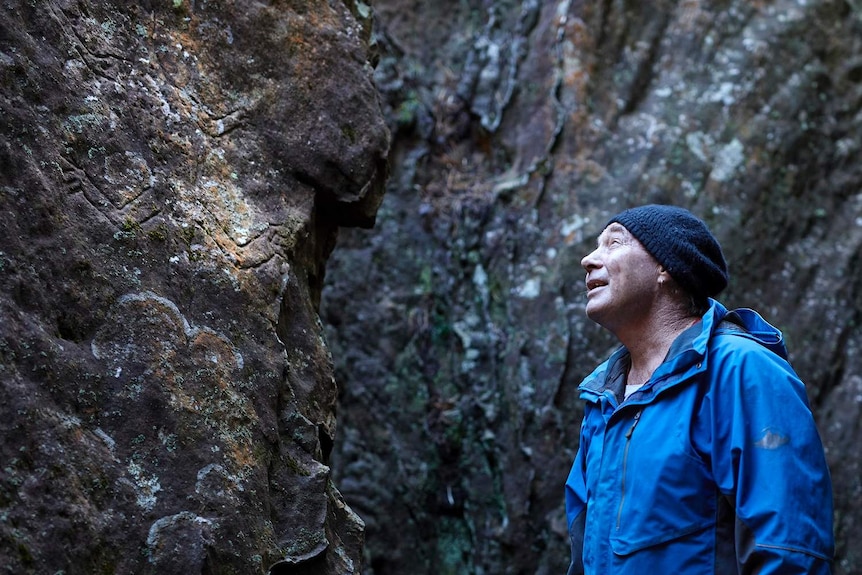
(599, 314)
(594, 311)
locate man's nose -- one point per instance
(590, 261)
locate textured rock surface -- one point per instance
(519, 127)
(172, 177)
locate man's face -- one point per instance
(622, 279)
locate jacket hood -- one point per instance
(753, 326)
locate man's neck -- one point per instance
(649, 341)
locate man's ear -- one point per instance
(663, 276)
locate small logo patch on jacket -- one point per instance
(771, 439)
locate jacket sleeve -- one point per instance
(768, 460)
(576, 505)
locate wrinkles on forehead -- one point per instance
(614, 230)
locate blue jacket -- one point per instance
(714, 466)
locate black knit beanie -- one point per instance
(681, 243)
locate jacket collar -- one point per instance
(684, 358)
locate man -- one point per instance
(698, 450)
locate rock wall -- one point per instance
(172, 178)
(519, 127)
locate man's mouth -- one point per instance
(594, 283)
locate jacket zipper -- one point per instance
(625, 461)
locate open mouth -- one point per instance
(593, 284)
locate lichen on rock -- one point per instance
(173, 178)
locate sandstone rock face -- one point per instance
(172, 177)
(519, 128)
